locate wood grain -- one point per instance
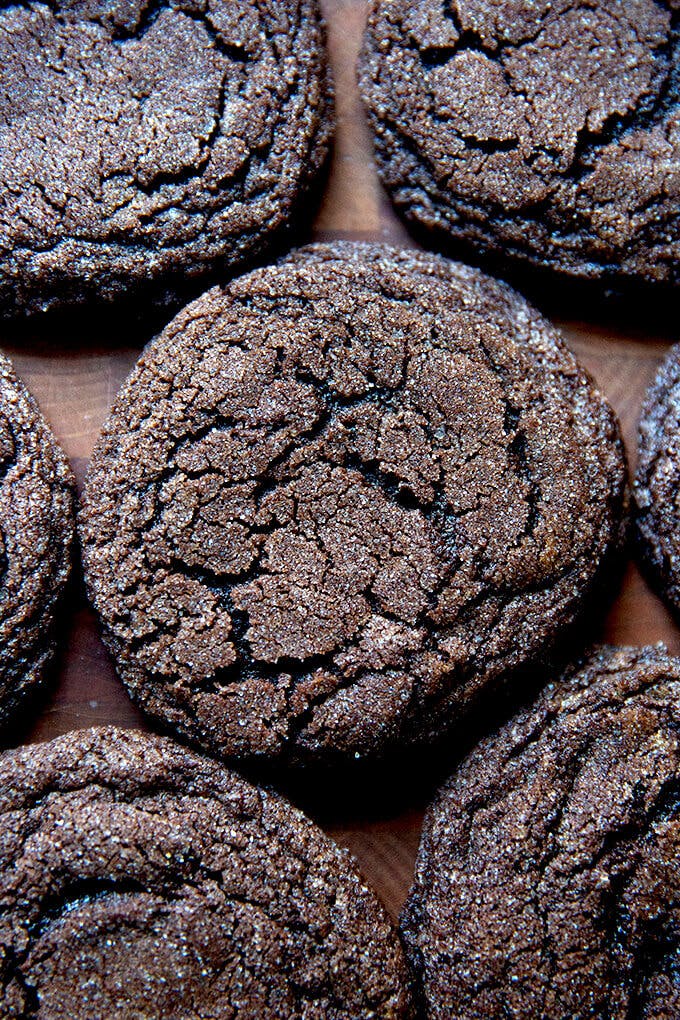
(74, 370)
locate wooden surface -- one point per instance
(74, 370)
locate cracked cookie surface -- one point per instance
(657, 480)
(339, 497)
(37, 525)
(141, 880)
(149, 141)
(547, 878)
(547, 132)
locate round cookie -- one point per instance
(340, 497)
(142, 880)
(547, 132)
(657, 480)
(145, 143)
(547, 881)
(37, 525)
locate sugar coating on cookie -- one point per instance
(340, 497)
(139, 879)
(547, 879)
(37, 526)
(147, 143)
(545, 131)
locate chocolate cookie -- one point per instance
(141, 880)
(151, 140)
(37, 524)
(547, 132)
(658, 479)
(339, 497)
(547, 882)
